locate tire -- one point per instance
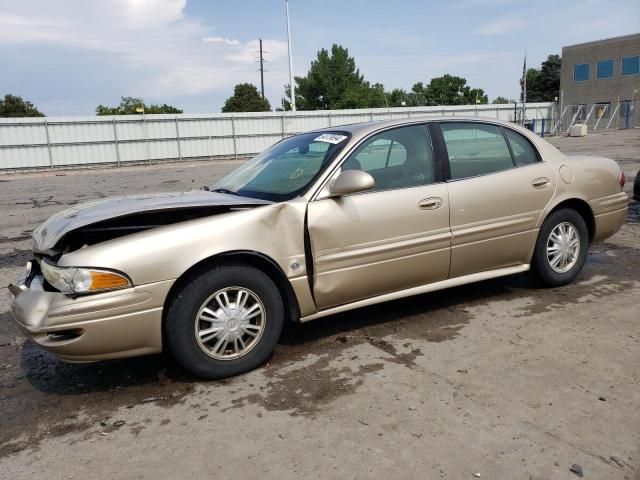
(564, 272)
(202, 297)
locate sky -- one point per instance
(68, 56)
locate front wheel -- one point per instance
(561, 249)
(225, 321)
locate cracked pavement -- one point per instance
(498, 378)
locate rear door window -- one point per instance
(475, 149)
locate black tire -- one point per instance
(180, 327)
(540, 267)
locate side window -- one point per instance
(475, 149)
(397, 158)
(523, 152)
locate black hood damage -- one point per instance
(94, 222)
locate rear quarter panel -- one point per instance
(595, 181)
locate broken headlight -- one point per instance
(73, 280)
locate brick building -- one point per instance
(603, 75)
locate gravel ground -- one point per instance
(497, 378)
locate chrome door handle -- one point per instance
(541, 182)
(430, 203)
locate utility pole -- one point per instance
(261, 70)
(292, 87)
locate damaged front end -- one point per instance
(78, 308)
(102, 220)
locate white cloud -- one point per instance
(164, 52)
(226, 41)
(248, 52)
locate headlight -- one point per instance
(82, 280)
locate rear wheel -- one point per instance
(561, 249)
(225, 321)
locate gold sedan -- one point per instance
(320, 223)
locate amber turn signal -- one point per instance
(107, 280)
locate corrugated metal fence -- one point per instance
(47, 143)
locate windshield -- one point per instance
(285, 170)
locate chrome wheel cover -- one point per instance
(563, 247)
(230, 323)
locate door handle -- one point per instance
(541, 182)
(430, 203)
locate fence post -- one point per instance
(115, 141)
(46, 131)
(282, 124)
(233, 133)
(329, 118)
(146, 137)
(178, 140)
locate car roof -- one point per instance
(364, 128)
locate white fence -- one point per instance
(49, 143)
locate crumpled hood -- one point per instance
(47, 235)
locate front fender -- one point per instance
(165, 253)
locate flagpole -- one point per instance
(292, 87)
(524, 89)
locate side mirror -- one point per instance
(351, 181)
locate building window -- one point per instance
(581, 72)
(631, 65)
(604, 69)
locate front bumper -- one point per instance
(118, 324)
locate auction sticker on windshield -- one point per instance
(330, 138)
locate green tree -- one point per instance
(452, 90)
(133, 106)
(543, 84)
(14, 106)
(334, 82)
(246, 99)
(500, 101)
(398, 98)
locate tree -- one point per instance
(398, 98)
(500, 101)
(133, 106)
(334, 82)
(543, 85)
(14, 106)
(445, 90)
(452, 90)
(246, 99)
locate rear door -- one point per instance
(498, 187)
(393, 237)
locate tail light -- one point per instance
(621, 179)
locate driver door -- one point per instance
(393, 237)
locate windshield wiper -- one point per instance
(224, 190)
